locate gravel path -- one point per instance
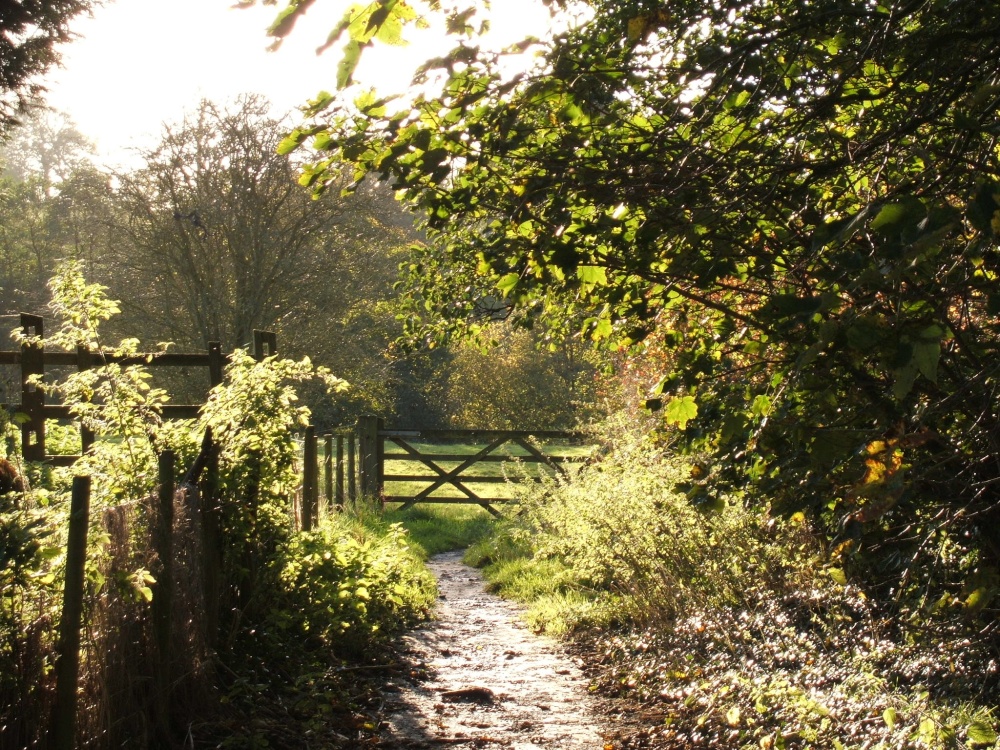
(479, 678)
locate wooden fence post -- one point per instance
(370, 447)
(328, 471)
(352, 474)
(215, 363)
(265, 344)
(68, 665)
(340, 472)
(310, 481)
(32, 397)
(211, 535)
(162, 590)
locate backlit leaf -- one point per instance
(681, 410)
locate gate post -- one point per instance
(370, 448)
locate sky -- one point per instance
(139, 63)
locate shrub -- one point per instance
(344, 586)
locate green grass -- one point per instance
(441, 528)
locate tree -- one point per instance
(213, 237)
(219, 239)
(30, 31)
(515, 384)
(46, 146)
(53, 205)
(802, 199)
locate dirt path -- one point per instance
(480, 678)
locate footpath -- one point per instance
(477, 677)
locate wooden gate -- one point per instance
(412, 466)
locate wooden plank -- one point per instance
(61, 460)
(539, 455)
(484, 435)
(453, 500)
(169, 411)
(447, 477)
(467, 479)
(158, 359)
(495, 458)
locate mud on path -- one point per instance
(479, 678)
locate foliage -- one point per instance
(29, 35)
(515, 383)
(432, 529)
(731, 628)
(253, 415)
(345, 590)
(276, 584)
(48, 147)
(801, 198)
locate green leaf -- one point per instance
(897, 216)
(592, 275)
(681, 410)
(285, 22)
(349, 63)
(291, 142)
(926, 356)
(904, 378)
(761, 405)
(981, 734)
(507, 283)
(602, 329)
(927, 731)
(889, 716)
(838, 575)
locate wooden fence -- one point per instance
(33, 359)
(353, 465)
(354, 458)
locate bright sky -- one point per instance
(139, 63)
